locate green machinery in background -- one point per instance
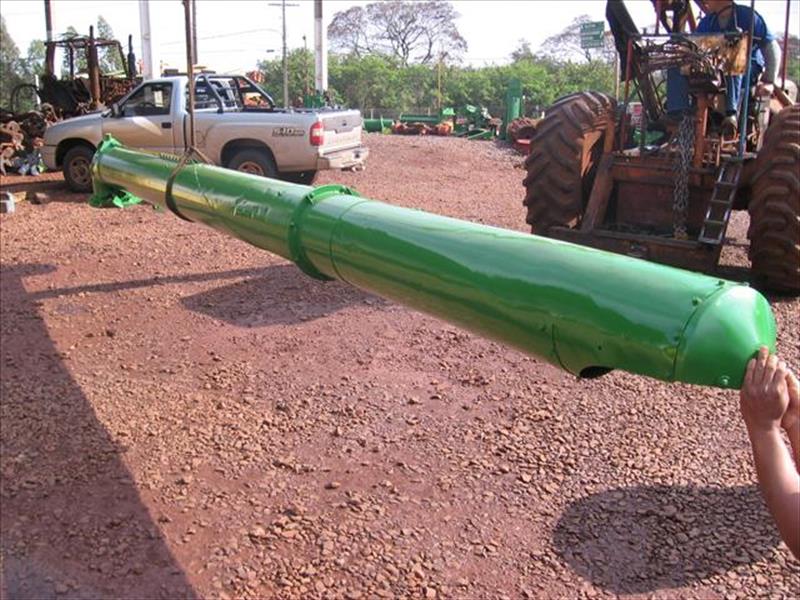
(377, 125)
(513, 106)
(470, 121)
(585, 310)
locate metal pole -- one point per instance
(194, 32)
(48, 20)
(147, 39)
(285, 59)
(50, 49)
(746, 104)
(628, 57)
(305, 68)
(94, 71)
(187, 13)
(320, 50)
(785, 57)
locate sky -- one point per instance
(235, 34)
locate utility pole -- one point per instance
(48, 20)
(320, 51)
(194, 32)
(283, 6)
(305, 68)
(147, 40)
(50, 49)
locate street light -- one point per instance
(283, 6)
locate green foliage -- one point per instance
(34, 63)
(79, 57)
(376, 81)
(11, 67)
(109, 57)
(301, 75)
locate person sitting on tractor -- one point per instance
(726, 16)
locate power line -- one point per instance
(223, 35)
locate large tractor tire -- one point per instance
(567, 144)
(775, 205)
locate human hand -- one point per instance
(764, 89)
(791, 418)
(764, 396)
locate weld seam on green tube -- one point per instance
(334, 233)
(294, 234)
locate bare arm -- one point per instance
(780, 484)
(764, 400)
(791, 419)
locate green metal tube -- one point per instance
(376, 125)
(585, 310)
(428, 119)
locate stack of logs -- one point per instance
(21, 135)
(443, 128)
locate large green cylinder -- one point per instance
(585, 310)
(376, 125)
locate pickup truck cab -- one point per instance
(237, 126)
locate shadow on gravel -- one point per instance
(281, 295)
(72, 521)
(51, 191)
(642, 539)
(119, 286)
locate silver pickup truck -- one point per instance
(237, 126)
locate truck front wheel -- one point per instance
(77, 168)
(255, 162)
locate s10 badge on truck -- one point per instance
(288, 132)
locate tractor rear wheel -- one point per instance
(775, 205)
(567, 145)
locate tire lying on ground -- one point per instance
(566, 146)
(774, 207)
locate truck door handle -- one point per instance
(166, 125)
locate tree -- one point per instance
(411, 32)
(109, 57)
(79, 57)
(301, 74)
(34, 62)
(522, 51)
(793, 59)
(10, 65)
(566, 45)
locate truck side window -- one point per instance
(152, 99)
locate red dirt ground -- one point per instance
(187, 416)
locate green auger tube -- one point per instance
(585, 310)
(376, 125)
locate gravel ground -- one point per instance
(184, 415)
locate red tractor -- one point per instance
(666, 193)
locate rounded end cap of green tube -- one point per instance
(741, 317)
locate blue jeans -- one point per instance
(678, 91)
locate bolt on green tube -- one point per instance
(585, 310)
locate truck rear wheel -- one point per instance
(775, 205)
(567, 143)
(253, 161)
(77, 168)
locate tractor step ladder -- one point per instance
(719, 208)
